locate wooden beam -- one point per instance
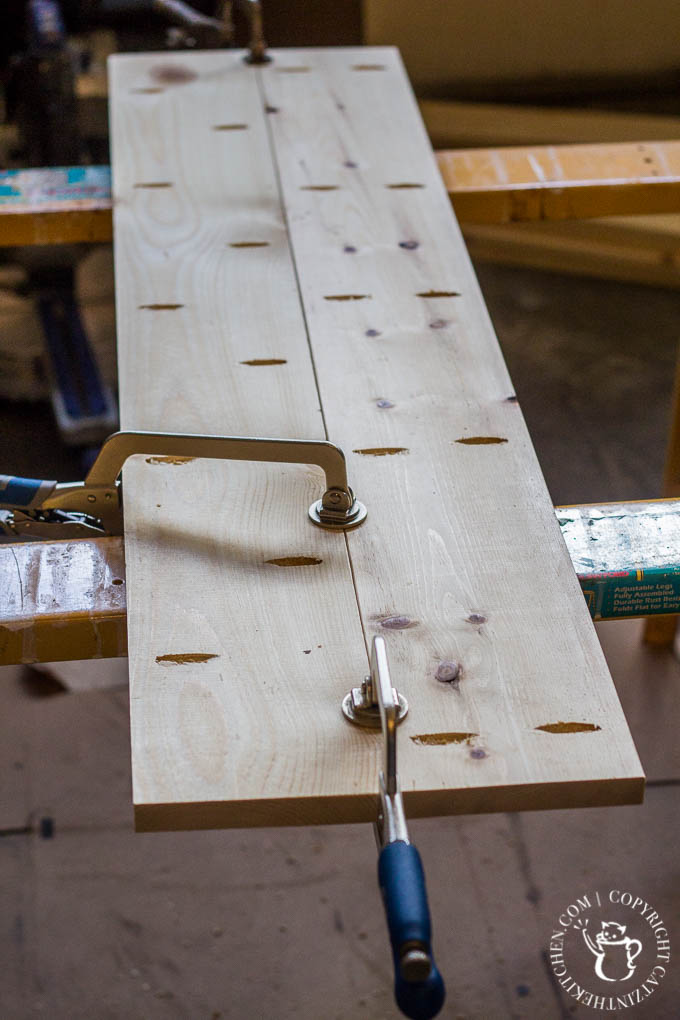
(221, 311)
(640, 249)
(562, 182)
(293, 202)
(55, 205)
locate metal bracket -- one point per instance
(362, 704)
(257, 46)
(99, 497)
(419, 989)
(378, 705)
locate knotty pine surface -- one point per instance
(270, 923)
(450, 565)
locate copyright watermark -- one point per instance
(610, 950)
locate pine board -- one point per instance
(461, 548)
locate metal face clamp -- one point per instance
(362, 705)
(40, 509)
(418, 986)
(391, 823)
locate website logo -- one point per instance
(610, 950)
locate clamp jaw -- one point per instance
(30, 508)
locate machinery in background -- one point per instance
(41, 99)
(40, 78)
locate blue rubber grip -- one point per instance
(402, 884)
(20, 492)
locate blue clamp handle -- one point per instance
(402, 884)
(23, 493)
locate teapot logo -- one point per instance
(613, 950)
(609, 949)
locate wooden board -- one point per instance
(363, 288)
(55, 205)
(562, 182)
(639, 249)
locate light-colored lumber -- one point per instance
(562, 182)
(283, 643)
(85, 223)
(449, 565)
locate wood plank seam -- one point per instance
(304, 220)
(277, 173)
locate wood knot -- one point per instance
(448, 672)
(397, 622)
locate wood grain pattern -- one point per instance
(406, 361)
(206, 750)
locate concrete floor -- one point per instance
(103, 924)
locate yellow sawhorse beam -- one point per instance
(562, 182)
(67, 600)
